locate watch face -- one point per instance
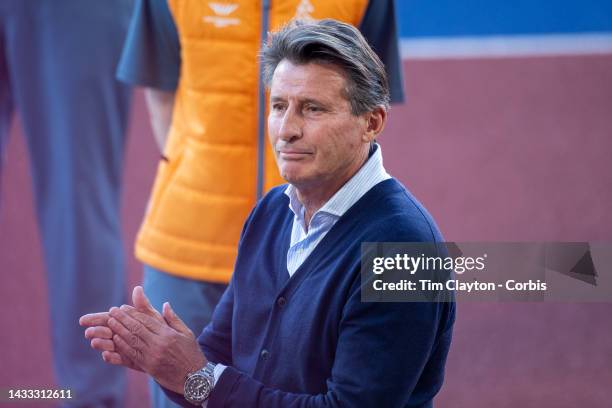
(197, 387)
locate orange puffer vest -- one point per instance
(218, 163)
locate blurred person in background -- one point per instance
(198, 63)
(57, 69)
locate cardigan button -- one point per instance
(281, 302)
(265, 354)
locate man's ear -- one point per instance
(375, 123)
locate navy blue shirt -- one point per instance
(308, 340)
(151, 55)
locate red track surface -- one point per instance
(514, 149)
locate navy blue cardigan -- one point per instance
(308, 340)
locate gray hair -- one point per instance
(331, 41)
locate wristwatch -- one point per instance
(199, 384)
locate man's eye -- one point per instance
(313, 108)
(278, 106)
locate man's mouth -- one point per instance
(293, 154)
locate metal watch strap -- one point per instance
(208, 373)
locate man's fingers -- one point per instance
(174, 321)
(102, 344)
(130, 329)
(141, 302)
(94, 319)
(101, 332)
(129, 354)
(112, 357)
(154, 324)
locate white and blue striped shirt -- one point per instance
(303, 242)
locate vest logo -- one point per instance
(221, 9)
(304, 10)
(222, 15)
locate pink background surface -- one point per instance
(499, 149)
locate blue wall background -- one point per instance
(438, 18)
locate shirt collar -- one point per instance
(370, 174)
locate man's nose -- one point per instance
(291, 126)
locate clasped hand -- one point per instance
(141, 338)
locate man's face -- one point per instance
(318, 142)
